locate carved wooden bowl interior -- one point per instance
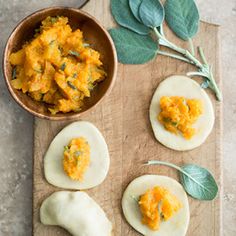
(94, 34)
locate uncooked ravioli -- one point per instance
(99, 157)
(177, 225)
(184, 87)
(76, 212)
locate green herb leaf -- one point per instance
(71, 85)
(160, 203)
(86, 45)
(166, 119)
(60, 49)
(124, 17)
(198, 182)
(14, 73)
(182, 17)
(151, 13)
(74, 53)
(52, 42)
(66, 148)
(136, 199)
(133, 48)
(75, 75)
(134, 6)
(63, 66)
(174, 124)
(91, 86)
(54, 19)
(37, 30)
(38, 70)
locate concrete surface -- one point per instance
(16, 126)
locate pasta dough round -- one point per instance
(185, 87)
(176, 225)
(99, 157)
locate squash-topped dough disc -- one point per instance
(76, 212)
(93, 159)
(177, 225)
(182, 86)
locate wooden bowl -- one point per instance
(94, 34)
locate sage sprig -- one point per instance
(197, 181)
(143, 19)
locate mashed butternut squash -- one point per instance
(178, 114)
(157, 204)
(57, 67)
(76, 158)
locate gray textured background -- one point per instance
(16, 126)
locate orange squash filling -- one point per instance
(156, 205)
(57, 66)
(76, 158)
(178, 114)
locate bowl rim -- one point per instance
(64, 116)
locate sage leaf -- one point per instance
(133, 48)
(134, 6)
(151, 13)
(197, 181)
(122, 14)
(182, 17)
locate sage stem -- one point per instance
(192, 60)
(202, 55)
(213, 82)
(155, 162)
(191, 46)
(182, 51)
(173, 56)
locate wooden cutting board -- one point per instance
(123, 119)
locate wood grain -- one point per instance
(123, 120)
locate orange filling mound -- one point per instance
(76, 158)
(179, 114)
(57, 66)
(157, 204)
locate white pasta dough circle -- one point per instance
(185, 87)
(99, 157)
(176, 225)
